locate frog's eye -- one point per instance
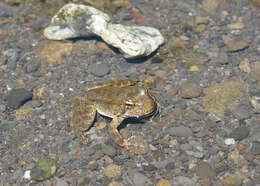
(129, 103)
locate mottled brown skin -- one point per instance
(118, 100)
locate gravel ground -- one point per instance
(207, 77)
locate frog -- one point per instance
(118, 100)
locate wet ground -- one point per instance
(207, 87)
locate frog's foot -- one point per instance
(81, 114)
(115, 133)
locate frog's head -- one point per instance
(142, 105)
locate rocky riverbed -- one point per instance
(207, 86)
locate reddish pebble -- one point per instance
(241, 147)
(137, 15)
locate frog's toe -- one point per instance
(125, 145)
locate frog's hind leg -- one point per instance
(81, 114)
(115, 133)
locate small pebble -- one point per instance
(244, 66)
(44, 169)
(60, 182)
(113, 171)
(205, 171)
(230, 141)
(235, 46)
(139, 179)
(108, 150)
(209, 6)
(239, 133)
(163, 183)
(92, 165)
(238, 25)
(182, 180)
(255, 148)
(114, 183)
(32, 67)
(190, 90)
(99, 70)
(180, 131)
(27, 175)
(232, 181)
(138, 145)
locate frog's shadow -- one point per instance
(123, 124)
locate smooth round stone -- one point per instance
(113, 171)
(182, 180)
(190, 90)
(99, 70)
(44, 169)
(108, 150)
(139, 179)
(180, 131)
(205, 171)
(138, 145)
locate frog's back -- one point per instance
(108, 93)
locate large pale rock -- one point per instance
(74, 20)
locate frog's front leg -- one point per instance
(116, 121)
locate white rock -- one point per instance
(229, 141)
(74, 20)
(27, 174)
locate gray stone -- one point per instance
(193, 148)
(17, 97)
(180, 131)
(182, 180)
(239, 133)
(241, 113)
(205, 171)
(108, 150)
(99, 70)
(202, 133)
(139, 179)
(164, 163)
(255, 148)
(190, 90)
(17, 174)
(195, 154)
(60, 182)
(222, 57)
(74, 20)
(185, 147)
